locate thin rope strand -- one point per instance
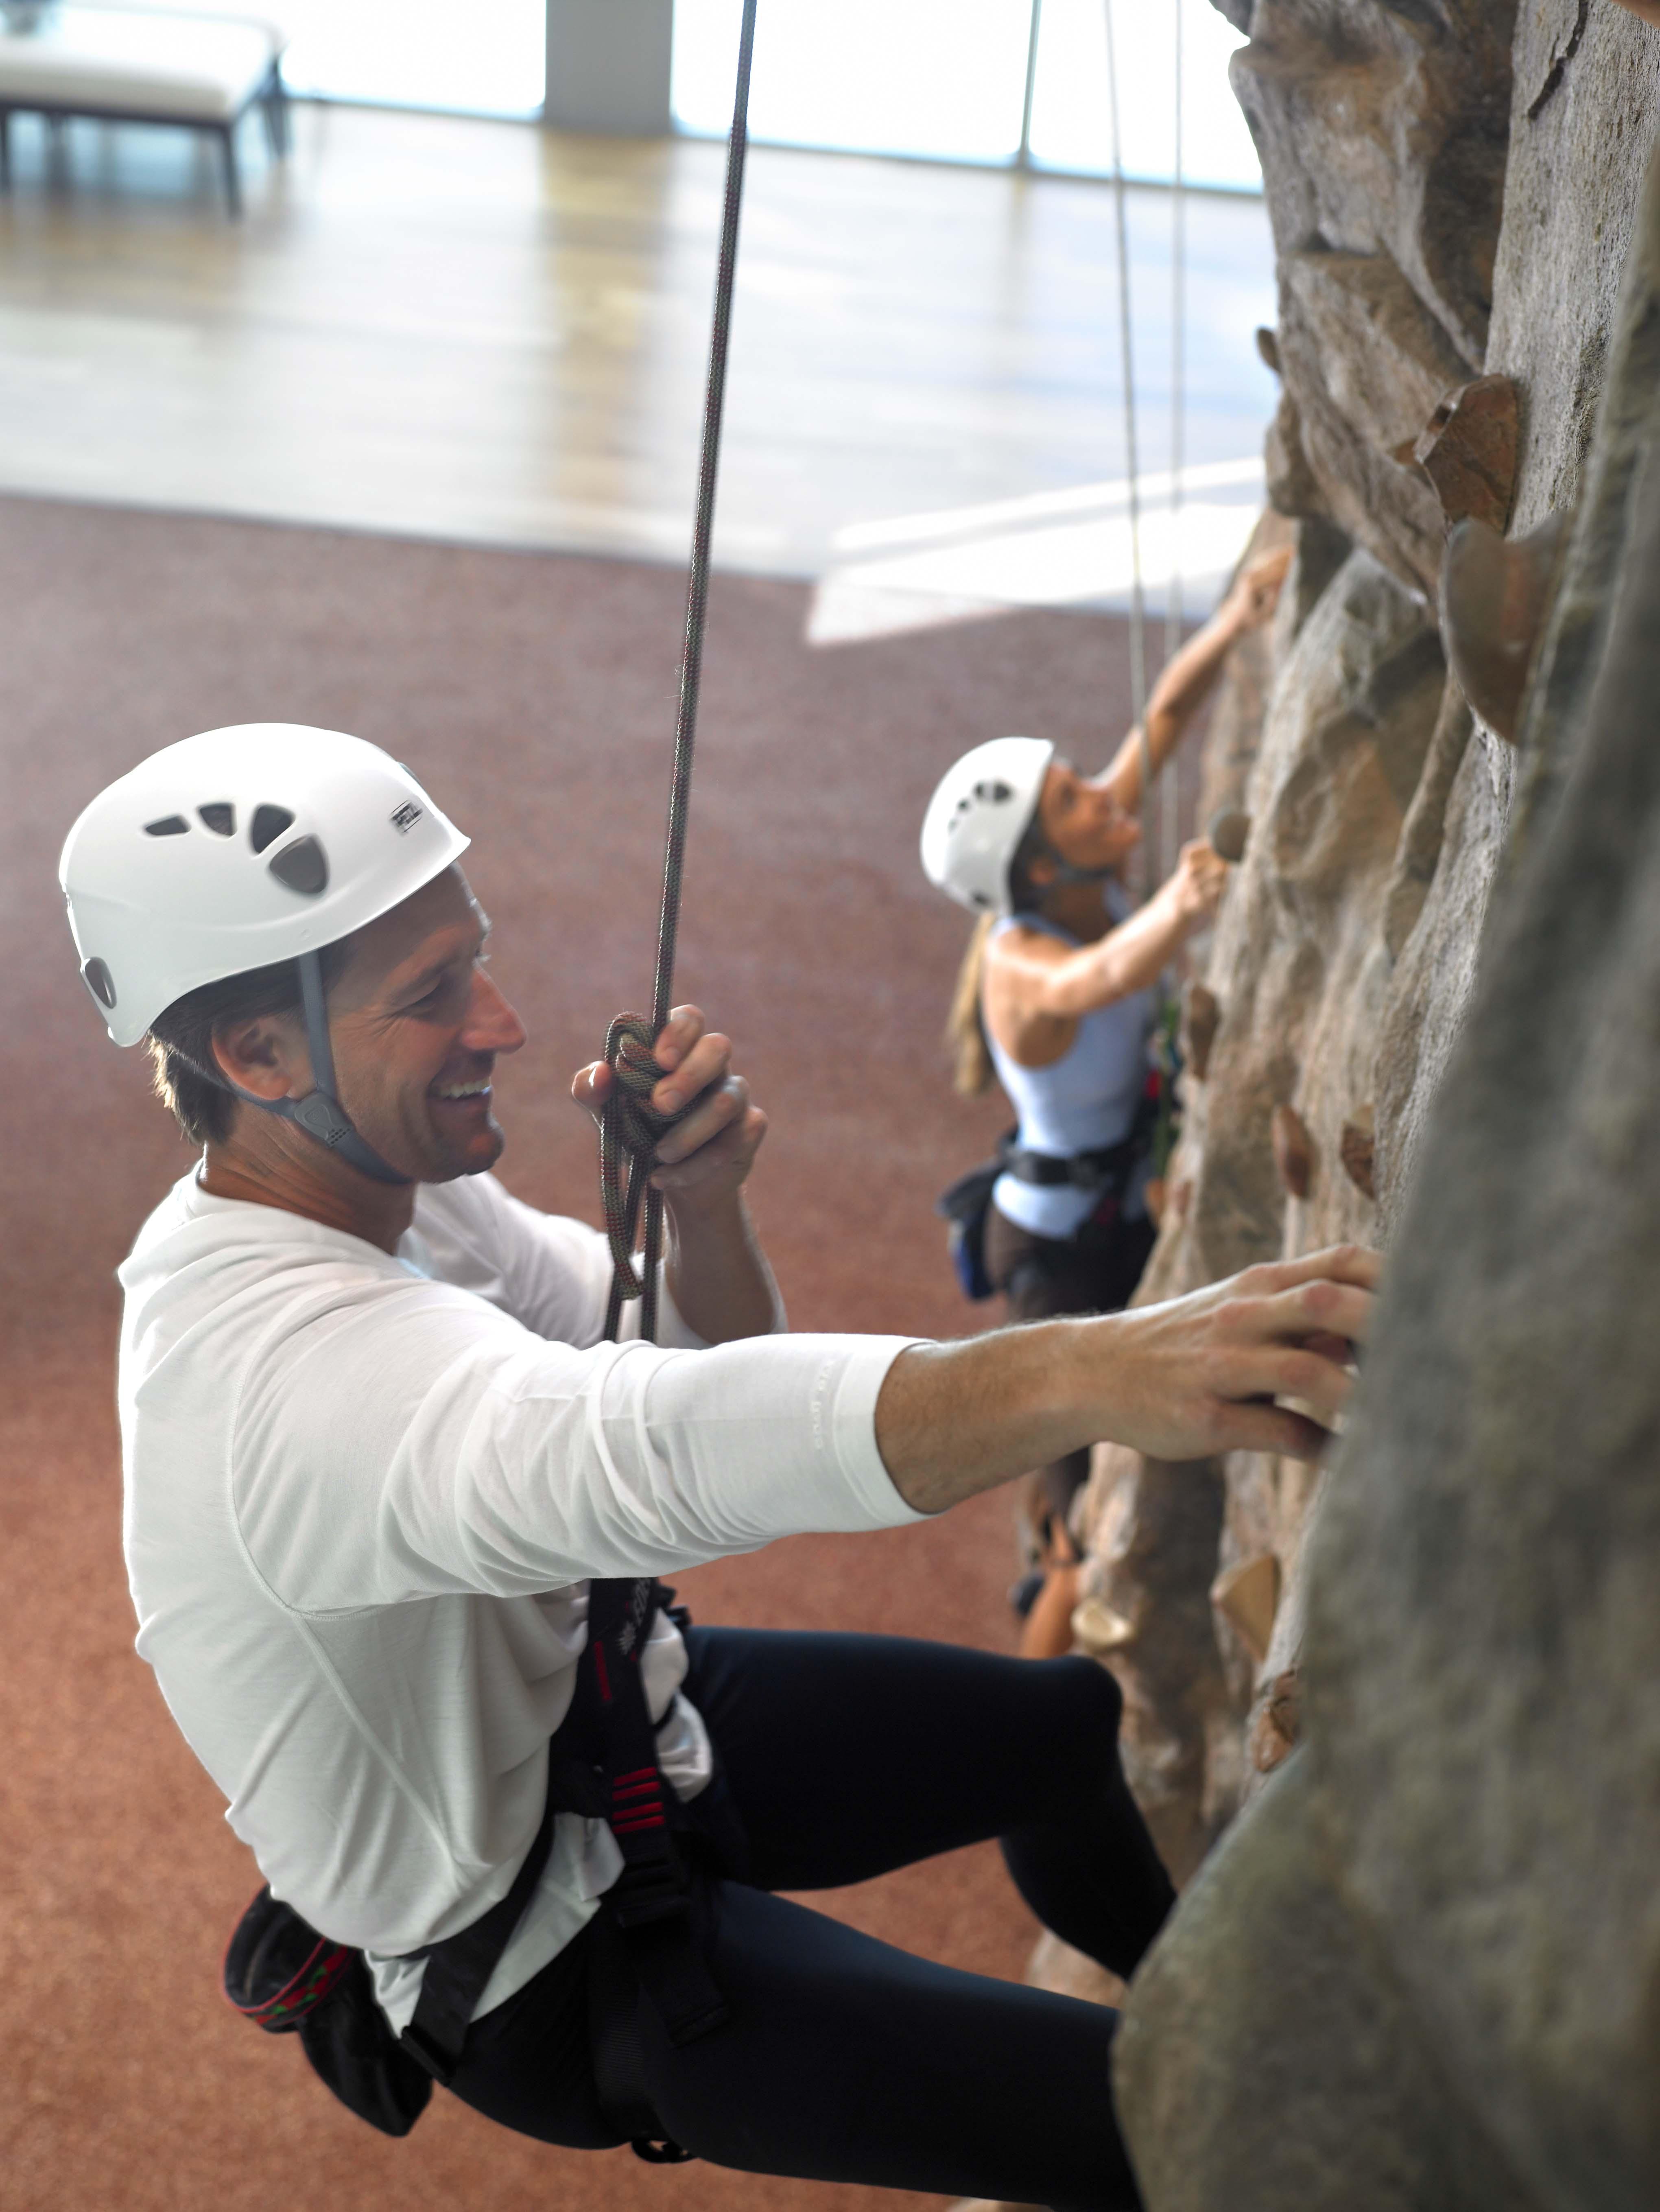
(624, 1126)
(1169, 793)
(1132, 469)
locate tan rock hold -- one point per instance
(1278, 1725)
(1230, 833)
(1293, 1151)
(1201, 1013)
(1467, 451)
(1097, 1628)
(1494, 596)
(1247, 1595)
(1357, 1149)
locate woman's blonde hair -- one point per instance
(966, 1028)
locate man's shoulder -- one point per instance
(545, 1269)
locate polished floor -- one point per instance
(483, 332)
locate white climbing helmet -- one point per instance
(982, 808)
(235, 849)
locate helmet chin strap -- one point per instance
(1066, 873)
(320, 1113)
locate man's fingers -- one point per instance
(1270, 1429)
(712, 1113)
(1282, 1370)
(677, 1037)
(1338, 1263)
(591, 1086)
(731, 1151)
(707, 1062)
(1322, 1309)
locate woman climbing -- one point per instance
(1058, 996)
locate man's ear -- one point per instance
(264, 1054)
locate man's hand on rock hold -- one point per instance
(704, 1160)
(1262, 1362)
(1203, 1374)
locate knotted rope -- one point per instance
(629, 1128)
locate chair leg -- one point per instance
(232, 180)
(277, 111)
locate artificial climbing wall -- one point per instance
(1418, 1696)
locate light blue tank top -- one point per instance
(1085, 1100)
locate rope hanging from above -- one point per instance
(1169, 795)
(1132, 465)
(629, 1126)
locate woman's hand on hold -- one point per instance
(1196, 889)
(1208, 1373)
(705, 1160)
(1257, 589)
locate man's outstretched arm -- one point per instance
(1185, 1379)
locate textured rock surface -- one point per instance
(1430, 1950)
(1300, 976)
(1382, 132)
(1343, 962)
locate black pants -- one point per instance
(844, 2059)
(1096, 1271)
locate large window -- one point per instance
(944, 80)
(486, 58)
(947, 79)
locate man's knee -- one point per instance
(1082, 1695)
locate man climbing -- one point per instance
(375, 1455)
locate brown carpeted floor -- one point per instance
(535, 693)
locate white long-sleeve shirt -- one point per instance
(364, 1494)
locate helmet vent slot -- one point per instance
(268, 824)
(99, 981)
(219, 817)
(302, 866)
(170, 825)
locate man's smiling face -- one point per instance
(416, 1024)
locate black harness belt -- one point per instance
(1107, 1168)
(602, 1763)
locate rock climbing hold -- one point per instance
(1096, 1628)
(1230, 832)
(1293, 1151)
(1267, 347)
(1467, 451)
(1247, 1595)
(1493, 598)
(1202, 1011)
(1356, 1148)
(1278, 1725)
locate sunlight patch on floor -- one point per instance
(1076, 548)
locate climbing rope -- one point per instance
(1169, 796)
(1132, 469)
(629, 1126)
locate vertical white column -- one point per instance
(608, 66)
